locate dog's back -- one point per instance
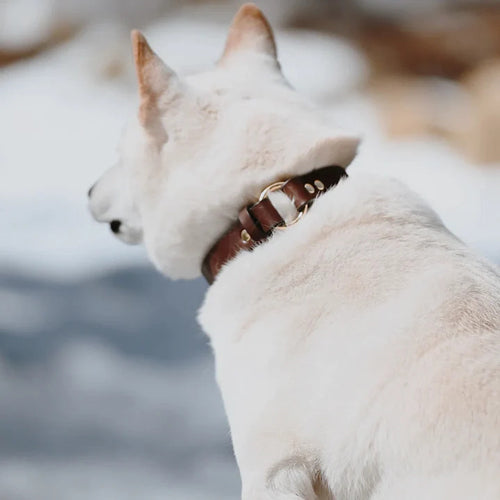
(370, 341)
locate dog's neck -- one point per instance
(256, 222)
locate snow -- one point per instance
(48, 166)
(25, 23)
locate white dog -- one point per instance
(358, 350)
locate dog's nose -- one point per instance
(115, 226)
(90, 190)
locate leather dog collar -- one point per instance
(256, 222)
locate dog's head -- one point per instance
(203, 146)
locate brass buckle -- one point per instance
(276, 186)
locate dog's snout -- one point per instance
(89, 194)
(115, 226)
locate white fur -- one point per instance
(358, 352)
(364, 344)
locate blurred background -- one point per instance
(106, 382)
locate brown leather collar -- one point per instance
(257, 221)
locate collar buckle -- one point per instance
(277, 186)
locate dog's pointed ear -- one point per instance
(249, 32)
(156, 81)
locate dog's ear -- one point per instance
(157, 84)
(250, 32)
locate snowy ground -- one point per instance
(106, 382)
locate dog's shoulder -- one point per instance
(372, 197)
(369, 237)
